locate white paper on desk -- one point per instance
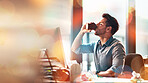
(90, 75)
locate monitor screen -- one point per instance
(53, 47)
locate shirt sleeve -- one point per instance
(118, 58)
(85, 48)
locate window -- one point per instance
(141, 28)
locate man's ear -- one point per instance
(108, 29)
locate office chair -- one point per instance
(134, 62)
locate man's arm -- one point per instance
(108, 73)
(78, 40)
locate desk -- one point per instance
(102, 80)
(95, 79)
(113, 80)
(116, 80)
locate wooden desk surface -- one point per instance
(113, 80)
(102, 80)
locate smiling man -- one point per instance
(108, 52)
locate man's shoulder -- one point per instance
(118, 48)
(116, 42)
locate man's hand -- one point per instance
(84, 30)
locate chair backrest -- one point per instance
(134, 62)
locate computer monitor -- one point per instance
(52, 44)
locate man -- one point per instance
(108, 52)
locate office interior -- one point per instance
(29, 27)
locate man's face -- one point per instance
(101, 27)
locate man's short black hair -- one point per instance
(111, 21)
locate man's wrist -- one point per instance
(97, 72)
(82, 33)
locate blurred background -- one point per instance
(26, 27)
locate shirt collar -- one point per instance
(108, 41)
